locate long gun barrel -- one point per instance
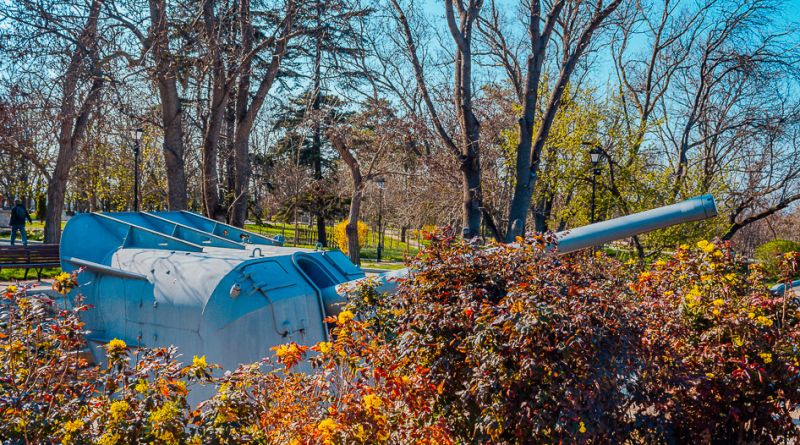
(695, 209)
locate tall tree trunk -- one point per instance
(73, 121)
(316, 141)
(171, 107)
(216, 115)
(471, 189)
(351, 230)
(467, 152)
(247, 110)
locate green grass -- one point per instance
(391, 255)
(18, 274)
(394, 250)
(382, 265)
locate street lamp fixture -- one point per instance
(594, 154)
(136, 135)
(381, 183)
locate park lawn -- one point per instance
(394, 250)
(271, 229)
(18, 274)
(395, 254)
(382, 265)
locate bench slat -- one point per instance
(29, 257)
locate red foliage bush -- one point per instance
(530, 346)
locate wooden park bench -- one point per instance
(32, 256)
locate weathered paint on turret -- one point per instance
(176, 278)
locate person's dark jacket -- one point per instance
(18, 216)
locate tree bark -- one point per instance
(467, 152)
(171, 107)
(316, 141)
(216, 114)
(246, 112)
(73, 120)
(351, 230)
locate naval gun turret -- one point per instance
(177, 278)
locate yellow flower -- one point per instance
(684, 247)
(360, 433)
(12, 289)
(630, 262)
(730, 277)
(710, 375)
(141, 386)
(718, 302)
(661, 263)
(715, 311)
(705, 246)
(166, 413)
(328, 426)
(718, 254)
(63, 277)
(751, 315)
(766, 356)
(118, 410)
(372, 403)
(668, 293)
(72, 426)
(324, 347)
(762, 320)
(644, 275)
(345, 316)
(582, 428)
(199, 362)
(116, 346)
(109, 439)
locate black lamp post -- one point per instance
(595, 155)
(381, 183)
(136, 135)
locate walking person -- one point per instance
(18, 216)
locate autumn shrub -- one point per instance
(357, 392)
(351, 389)
(722, 363)
(43, 376)
(340, 234)
(529, 346)
(526, 346)
(481, 344)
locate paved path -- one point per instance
(7, 241)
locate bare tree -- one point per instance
(166, 76)
(365, 145)
(461, 19)
(41, 30)
(247, 108)
(529, 150)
